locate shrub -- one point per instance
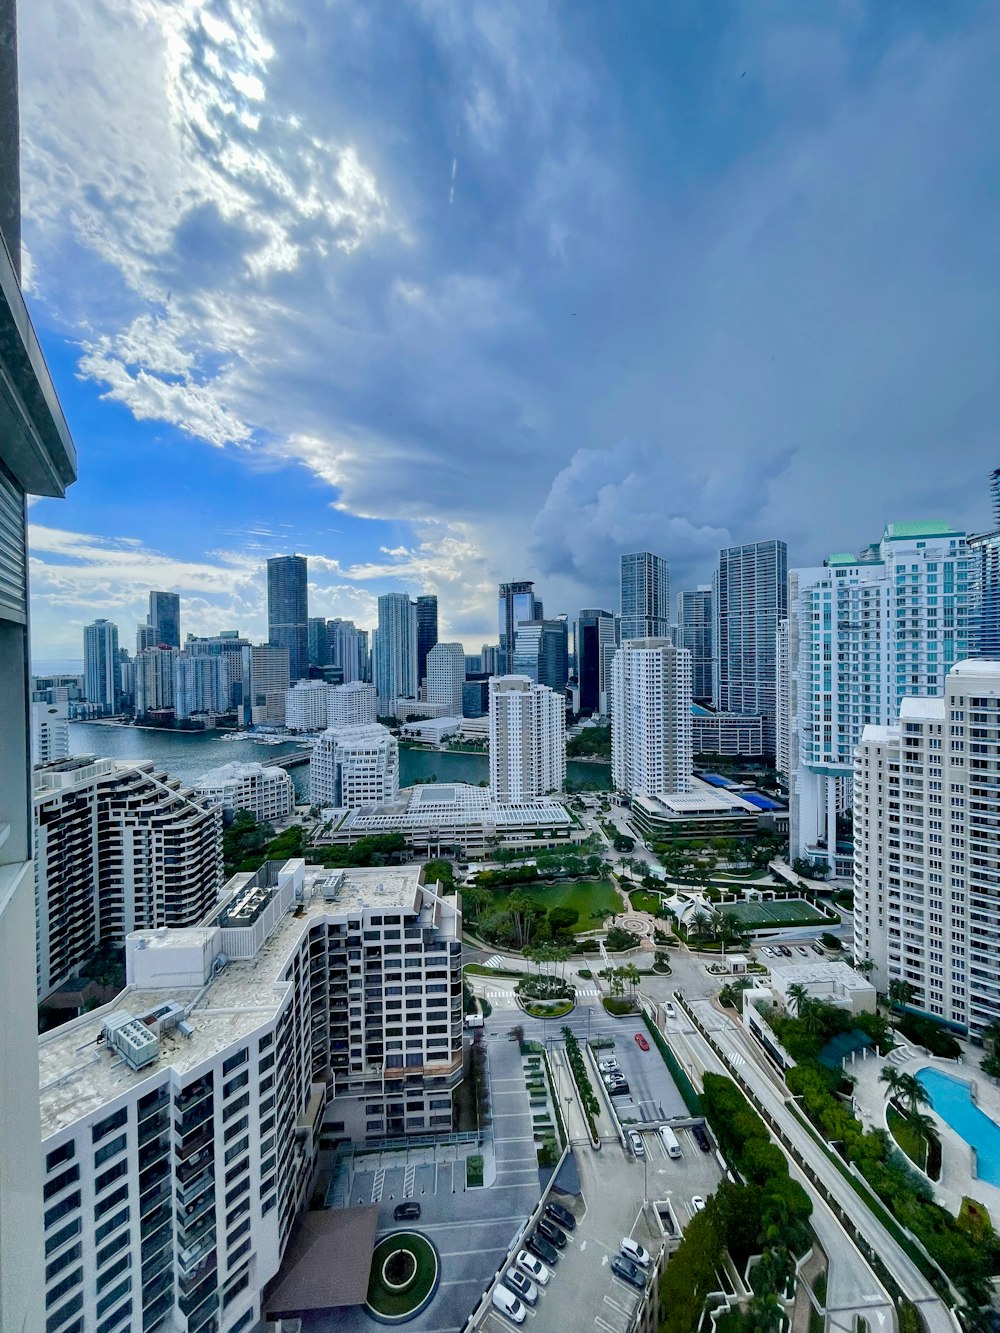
(618, 940)
(925, 1032)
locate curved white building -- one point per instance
(267, 792)
(354, 766)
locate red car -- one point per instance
(641, 1042)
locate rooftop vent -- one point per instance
(137, 1043)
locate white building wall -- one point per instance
(353, 704)
(354, 766)
(306, 705)
(446, 676)
(266, 792)
(49, 731)
(527, 739)
(651, 725)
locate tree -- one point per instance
(990, 1065)
(516, 1033)
(890, 1076)
(912, 1092)
(699, 925)
(632, 977)
(922, 1124)
(991, 1035)
(615, 979)
(866, 967)
(799, 996)
(900, 993)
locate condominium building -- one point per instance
(348, 650)
(527, 740)
(118, 846)
(541, 652)
(490, 658)
(354, 766)
(145, 637)
(353, 704)
(267, 792)
(306, 705)
(984, 580)
(269, 673)
(865, 631)
(288, 610)
(155, 679)
(100, 665)
(319, 643)
(926, 848)
(37, 457)
(645, 596)
(427, 632)
(750, 598)
(49, 731)
(229, 645)
(694, 632)
(731, 734)
(164, 618)
(182, 1125)
(394, 664)
(445, 674)
(594, 629)
(782, 702)
(517, 602)
(651, 746)
(201, 685)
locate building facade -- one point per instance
(306, 705)
(100, 666)
(267, 792)
(236, 651)
(645, 596)
(201, 685)
(288, 610)
(594, 628)
(427, 632)
(694, 632)
(352, 705)
(348, 650)
(269, 676)
(926, 853)
(541, 652)
(730, 734)
(155, 679)
(164, 618)
(651, 743)
(750, 597)
(527, 740)
(49, 731)
(394, 664)
(445, 674)
(354, 766)
(782, 702)
(517, 602)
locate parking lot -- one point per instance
(652, 1092)
(675, 1181)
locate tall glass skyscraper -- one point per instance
(694, 632)
(288, 610)
(645, 594)
(517, 602)
(594, 629)
(101, 679)
(165, 619)
(427, 632)
(395, 649)
(751, 588)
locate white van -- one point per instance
(669, 1140)
(507, 1303)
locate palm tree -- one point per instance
(991, 1035)
(865, 967)
(700, 925)
(632, 976)
(922, 1124)
(812, 1017)
(890, 1076)
(799, 995)
(912, 1092)
(900, 993)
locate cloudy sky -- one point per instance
(444, 293)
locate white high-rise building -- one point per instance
(354, 704)
(527, 740)
(306, 705)
(201, 684)
(49, 731)
(354, 766)
(651, 747)
(394, 659)
(182, 1125)
(347, 647)
(782, 716)
(446, 676)
(155, 679)
(749, 598)
(865, 631)
(926, 850)
(645, 596)
(267, 792)
(118, 846)
(100, 665)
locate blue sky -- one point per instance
(445, 293)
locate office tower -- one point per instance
(395, 650)
(476, 698)
(490, 657)
(165, 618)
(201, 684)
(266, 792)
(353, 704)
(319, 647)
(694, 632)
(926, 855)
(541, 652)
(222, 1073)
(527, 740)
(782, 714)
(473, 664)
(354, 766)
(984, 567)
(517, 602)
(750, 597)
(288, 610)
(145, 637)
(348, 649)
(864, 631)
(651, 750)
(269, 672)
(37, 457)
(427, 633)
(100, 665)
(446, 676)
(118, 846)
(126, 679)
(155, 679)
(593, 628)
(305, 705)
(610, 638)
(49, 731)
(236, 652)
(645, 596)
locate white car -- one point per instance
(507, 1303)
(767, 951)
(533, 1267)
(634, 1251)
(669, 1009)
(697, 1204)
(637, 1145)
(609, 1066)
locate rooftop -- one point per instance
(920, 528)
(821, 972)
(454, 803)
(235, 771)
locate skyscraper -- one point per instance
(319, 644)
(694, 632)
(201, 684)
(645, 596)
(517, 602)
(348, 649)
(593, 628)
(288, 610)
(37, 457)
(427, 632)
(165, 618)
(236, 651)
(984, 552)
(395, 651)
(446, 676)
(527, 740)
(651, 748)
(155, 679)
(751, 596)
(100, 665)
(541, 652)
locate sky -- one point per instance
(442, 294)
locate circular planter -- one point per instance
(392, 1297)
(399, 1271)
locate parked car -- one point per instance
(521, 1285)
(636, 1143)
(609, 1066)
(669, 1009)
(533, 1266)
(767, 951)
(561, 1215)
(786, 952)
(631, 1249)
(641, 1042)
(553, 1234)
(541, 1248)
(802, 949)
(628, 1271)
(406, 1212)
(507, 1303)
(697, 1204)
(620, 1088)
(817, 949)
(701, 1138)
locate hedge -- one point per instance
(684, 1085)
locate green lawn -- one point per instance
(590, 898)
(914, 1145)
(785, 912)
(644, 901)
(381, 1298)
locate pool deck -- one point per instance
(871, 1099)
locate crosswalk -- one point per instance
(498, 961)
(582, 993)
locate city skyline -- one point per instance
(160, 308)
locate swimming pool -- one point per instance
(952, 1100)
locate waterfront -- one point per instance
(188, 754)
